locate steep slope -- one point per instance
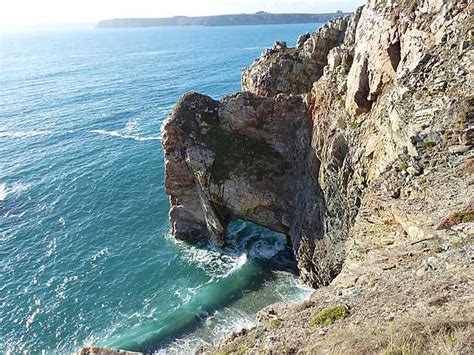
(357, 144)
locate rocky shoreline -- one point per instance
(357, 145)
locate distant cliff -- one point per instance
(259, 18)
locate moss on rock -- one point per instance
(327, 316)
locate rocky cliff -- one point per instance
(356, 144)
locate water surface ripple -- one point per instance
(85, 257)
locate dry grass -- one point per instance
(410, 337)
(464, 216)
(305, 305)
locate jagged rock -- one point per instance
(249, 157)
(459, 149)
(302, 40)
(356, 109)
(279, 45)
(294, 70)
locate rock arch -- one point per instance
(248, 157)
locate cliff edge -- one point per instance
(357, 145)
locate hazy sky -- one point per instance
(31, 12)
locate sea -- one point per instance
(86, 257)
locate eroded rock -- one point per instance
(248, 157)
(364, 105)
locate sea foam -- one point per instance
(23, 134)
(124, 136)
(13, 189)
(3, 192)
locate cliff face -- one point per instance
(363, 113)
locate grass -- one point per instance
(327, 316)
(438, 249)
(404, 338)
(411, 5)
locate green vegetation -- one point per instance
(403, 166)
(211, 118)
(328, 316)
(242, 153)
(355, 125)
(452, 340)
(411, 5)
(276, 322)
(248, 156)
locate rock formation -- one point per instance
(366, 108)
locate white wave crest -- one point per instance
(3, 192)
(13, 189)
(241, 260)
(23, 134)
(210, 259)
(124, 136)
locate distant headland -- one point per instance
(258, 18)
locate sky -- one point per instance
(42, 12)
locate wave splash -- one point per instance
(220, 306)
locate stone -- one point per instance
(459, 149)
(279, 45)
(294, 70)
(426, 112)
(302, 40)
(463, 46)
(307, 145)
(248, 157)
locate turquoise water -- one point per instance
(85, 255)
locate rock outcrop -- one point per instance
(374, 109)
(247, 157)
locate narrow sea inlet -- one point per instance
(85, 254)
